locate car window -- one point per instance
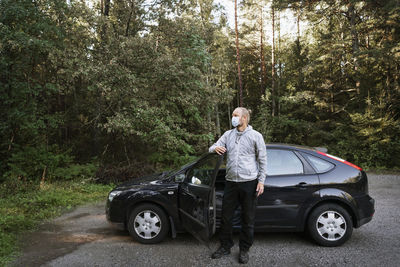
(202, 172)
(319, 164)
(280, 162)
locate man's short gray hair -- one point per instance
(245, 112)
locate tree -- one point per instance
(126, 84)
(238, 57)
(273, 63)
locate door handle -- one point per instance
(301, 184)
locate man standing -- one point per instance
(245, 175)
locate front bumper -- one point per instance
(115, 212)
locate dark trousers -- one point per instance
(243, 194)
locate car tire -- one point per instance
(148, 224)
(330, 225)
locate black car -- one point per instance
(305, 189)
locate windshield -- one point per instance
(177, 174)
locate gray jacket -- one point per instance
(247, 155)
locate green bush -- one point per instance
(31, 163)
(367, 140)
(75, 171)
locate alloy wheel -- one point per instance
(147, 224)
(331, 225)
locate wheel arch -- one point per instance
(331, 200)
(142, 202)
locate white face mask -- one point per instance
(235, 121)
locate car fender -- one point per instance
(149, 196)
(334, 195)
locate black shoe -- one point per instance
(243, 257)
(220, 252)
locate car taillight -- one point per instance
(341, 160)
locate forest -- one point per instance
(118, 88)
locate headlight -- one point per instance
(113, 194)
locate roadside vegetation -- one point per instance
(24, 205)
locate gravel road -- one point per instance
(84, 238)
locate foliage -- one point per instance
(157, 112)
(336, 90)
(154, 83)
(371, 141)
(38, 161)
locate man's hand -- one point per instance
(260, 188)
(220, 150)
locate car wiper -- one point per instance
(165, 175)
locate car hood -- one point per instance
(141, 182)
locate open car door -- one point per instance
(197, 197)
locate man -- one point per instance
(245, 175)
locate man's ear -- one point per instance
(244, 119)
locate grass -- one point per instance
(24, 206)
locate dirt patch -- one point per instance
(79, 216)
(65, 234)
(40, 247)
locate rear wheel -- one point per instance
(148, 224)
(330, 225)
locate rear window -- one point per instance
(319, 164)
(283, 162)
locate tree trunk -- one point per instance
(106, 7)
(105, 10)
(129, 22)
(396, 78)
(209, 124)
(43, 177)
(355, 44)
(278, 87)
(238, 58)
(126, 153)
(343, 53)
(387, 85)
(263, 70)
(298, 22)
(273, 61)
(331, 89)
(11, 141)
(218, 125)
(229, 114)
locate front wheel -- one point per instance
(148, 224)
(330, 225)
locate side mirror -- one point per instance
(195, 180)
(179, 177)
